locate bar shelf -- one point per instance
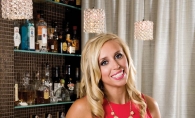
(62, 4)
(50, 53)
(42, 105)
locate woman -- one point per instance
(108, 83)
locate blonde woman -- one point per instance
(108, 83)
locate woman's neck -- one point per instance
(117, 95)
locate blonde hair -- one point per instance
(91, 75)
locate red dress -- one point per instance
(123, 110)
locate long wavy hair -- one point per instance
(91, 85)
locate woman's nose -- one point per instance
(116, 65)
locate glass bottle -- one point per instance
(77, 84)
(17, 37)
(37, 82)
(62, 93)
(57, 0)
(71, 2)
(16, 92)
(24, 35)
(48, 81)
(31, 35)
(70, 47)
(65, 95)
(42, 93)
(78, 3)
(56, 78)
(27, 91)
(75, 40)
(67, 74)
(69, 84)
(66, 37)
(41, 28)
(50, 31)
(60, 42)
(55, 38)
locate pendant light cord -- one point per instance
(144, 11)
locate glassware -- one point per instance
(17, 37)
(42, 94)
(27, 91)
(41, 28)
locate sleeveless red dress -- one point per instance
(123, 110)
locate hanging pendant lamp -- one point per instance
(17, 9)
(94, 20)
(143, 29)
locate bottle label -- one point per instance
(64, 46)
(56, 86)
(17, 39)
(75, 43)
(46, 94)
(32, 37)
(78, 2)
(44, 35)
(71, 86)
(68, 38)
(52, 47)
(16, 29)
(16, 92)
(71, 49)
(40, 29)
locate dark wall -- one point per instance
(13, 63)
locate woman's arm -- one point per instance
(79, 109)
(153, 107)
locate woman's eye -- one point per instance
(103, 63)
(118, 56)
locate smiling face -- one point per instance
(113, 65)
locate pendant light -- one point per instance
(143, 29)
(94, 20)
(17, 9)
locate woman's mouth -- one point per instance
(119, 75)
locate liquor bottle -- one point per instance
(37, 82)
(62, 1)
(17, 37)
(42, 93)
(55, 38)
(26, 92)
(16, 92)
(57, 0)
(70, 47)
(56, 78)
(50, 31)
(41, 29)
(60, 42)
(48, 81)
(31, 35)
(75, 40)
(49, 38)
(77, 84)
(71, 2)
(66, 37)
(66, 1)
(78, 3)
(24, 36)
(69, 82)
(67, 74)
(62, 93)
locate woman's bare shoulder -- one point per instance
(152, 106)
(79, 109)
